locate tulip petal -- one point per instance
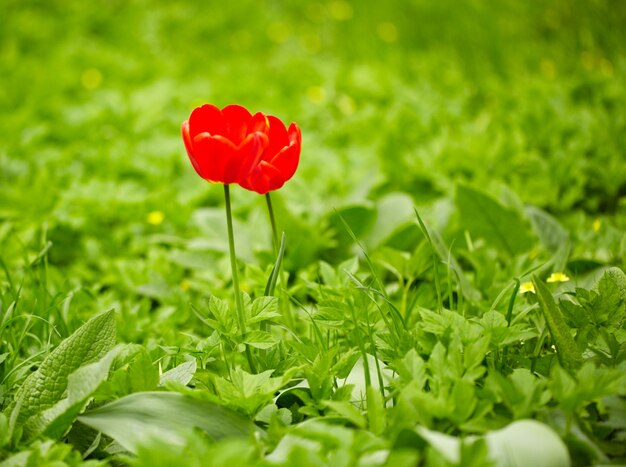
(251, 151)
(213, 154)
(259, 122)
(186, 137)
(286, 161)
(265, 178)
(278, 137)
(236, 120)
(207, 118)
(244, 158)
(295, 135)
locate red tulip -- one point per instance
(224, 146)
(279, 160)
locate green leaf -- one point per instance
(394, 213)
(547, 228)
(82, 383)
(167, 416)
(376, 414)
(273, 279)
(527, 442)
(611, 303)
(520, 444)
(260, 339)
(485, 217)
(567, 352)
(182, 373)
(348, 411)
(250, 392)
(46, 386)
(263, 309)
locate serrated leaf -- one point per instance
(46, 386)
(166, 416)
(611, 303)
(567, 352)
(263, 309)
(485, 217)
(260, 339)
(348, 411)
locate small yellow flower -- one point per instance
(387, 31)
(597, 224)
(526, 287)
(558, 277)
(155, 218)
(91, 79)
(316, 94)
(185, 285)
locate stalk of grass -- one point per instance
(434, 258)
(509, 316)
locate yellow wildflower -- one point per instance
(558, 277)
(155, 218)
(526, 287)
(597, 224)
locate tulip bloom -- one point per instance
(279, 160)
(225, 145)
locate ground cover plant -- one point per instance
(440, 282)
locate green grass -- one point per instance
(390, 336)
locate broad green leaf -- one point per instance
(360, 218)
(82, 383)
(167, 416)
(357, 377)
(182, 373)
(567, 352)
(547, 228)
(520, 444)
(485, 217)
(47, 386)
(527, 443)
(394, 213)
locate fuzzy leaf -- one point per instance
(46, 386)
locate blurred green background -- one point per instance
(398, 101)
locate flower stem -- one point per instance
(233, 265)
(270, 210)
(233, 262)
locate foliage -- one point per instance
(452, 284)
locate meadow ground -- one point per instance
(452, 287)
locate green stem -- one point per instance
(233, 262)
(233, 266)
(270, 210)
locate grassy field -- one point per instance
(452, 288)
